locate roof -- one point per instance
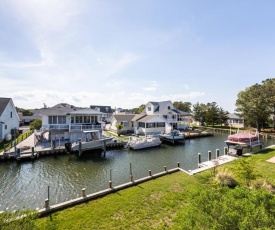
(63, 105)
(124, 117)
(150, 117)
(3, 104)
(177, 111)
(138, 116)
(102, 108)
(233, 116)
(85, 111)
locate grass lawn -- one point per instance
(157, 204)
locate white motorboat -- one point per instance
(143, 142)
(173, 137)
(93, 140)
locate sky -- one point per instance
(124, 53)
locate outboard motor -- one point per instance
(68, 146)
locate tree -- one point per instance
(212, 113)
(119, 128)
(199, 112)
(252, 104)
(222, 116)
(183, 106)
(269, 92)
(36, 124)
(141, 108)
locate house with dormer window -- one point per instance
(105, 110)
(174, 118)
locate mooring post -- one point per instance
(131, 175)
(209, 155)
(110, 181)
(79, 148)
(217, 153)
(48, 192)
(104, 148)
(225, 150)
(165, 168)
(199, 155)
(32, 152)
(17, 153)
(178, 164)
(150, 173)
(47, 203)
(83, 192)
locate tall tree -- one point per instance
(269, 94)
(183, 106)
(252, 105)
(212, 113)
(199, 112)
(141, 108)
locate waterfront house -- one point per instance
(9, 119)
(105, 110)
(235, 121)
(125, 120)
(67, 122)
(174, 118)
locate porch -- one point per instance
(72, 127)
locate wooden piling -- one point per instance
(217, 153)
(199, 160)
(83, 192)
(209, 155)
(150, 173)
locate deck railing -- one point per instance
(71, 127)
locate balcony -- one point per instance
(71, 127)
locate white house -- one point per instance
(235, 121)
(125, 120)
(67, 122)
(156, 117)
(9, 119)
(173, 117)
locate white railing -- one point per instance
(81, 127)
(74, 127)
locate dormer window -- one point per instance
(107, 109)
(169, 107)
(149, 108)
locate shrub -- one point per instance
(263, 184)
(226, 179)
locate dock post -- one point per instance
(18, 153)
(32, 152)
(104, 148)
(47, 203)
(150, 173)
(83, 192)
(165, 168)
(79, 148)
(178, 164)
(131, 175)
(225, 150)
(217, 153)
(199, 155)
(110, 181)
(209, 155)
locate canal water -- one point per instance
(25, 184)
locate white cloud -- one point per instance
(152, 86)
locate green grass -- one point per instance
(157, 204)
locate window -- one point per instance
(11, 114)
(165, 116)
(141, 124)
(124, 123)
(150, 125)
(78, 119)
(72, 120)
(168, 107)
(6, 127)
(149, 108)
(61, 119)
(161, 124)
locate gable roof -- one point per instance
(155, 118)
(102, 108)
(3, 104)
(234, 116)
(124, 117)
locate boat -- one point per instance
(237, 142)
(93, 140)
(148, 141)
(173, 137)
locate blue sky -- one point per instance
(125, 53)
